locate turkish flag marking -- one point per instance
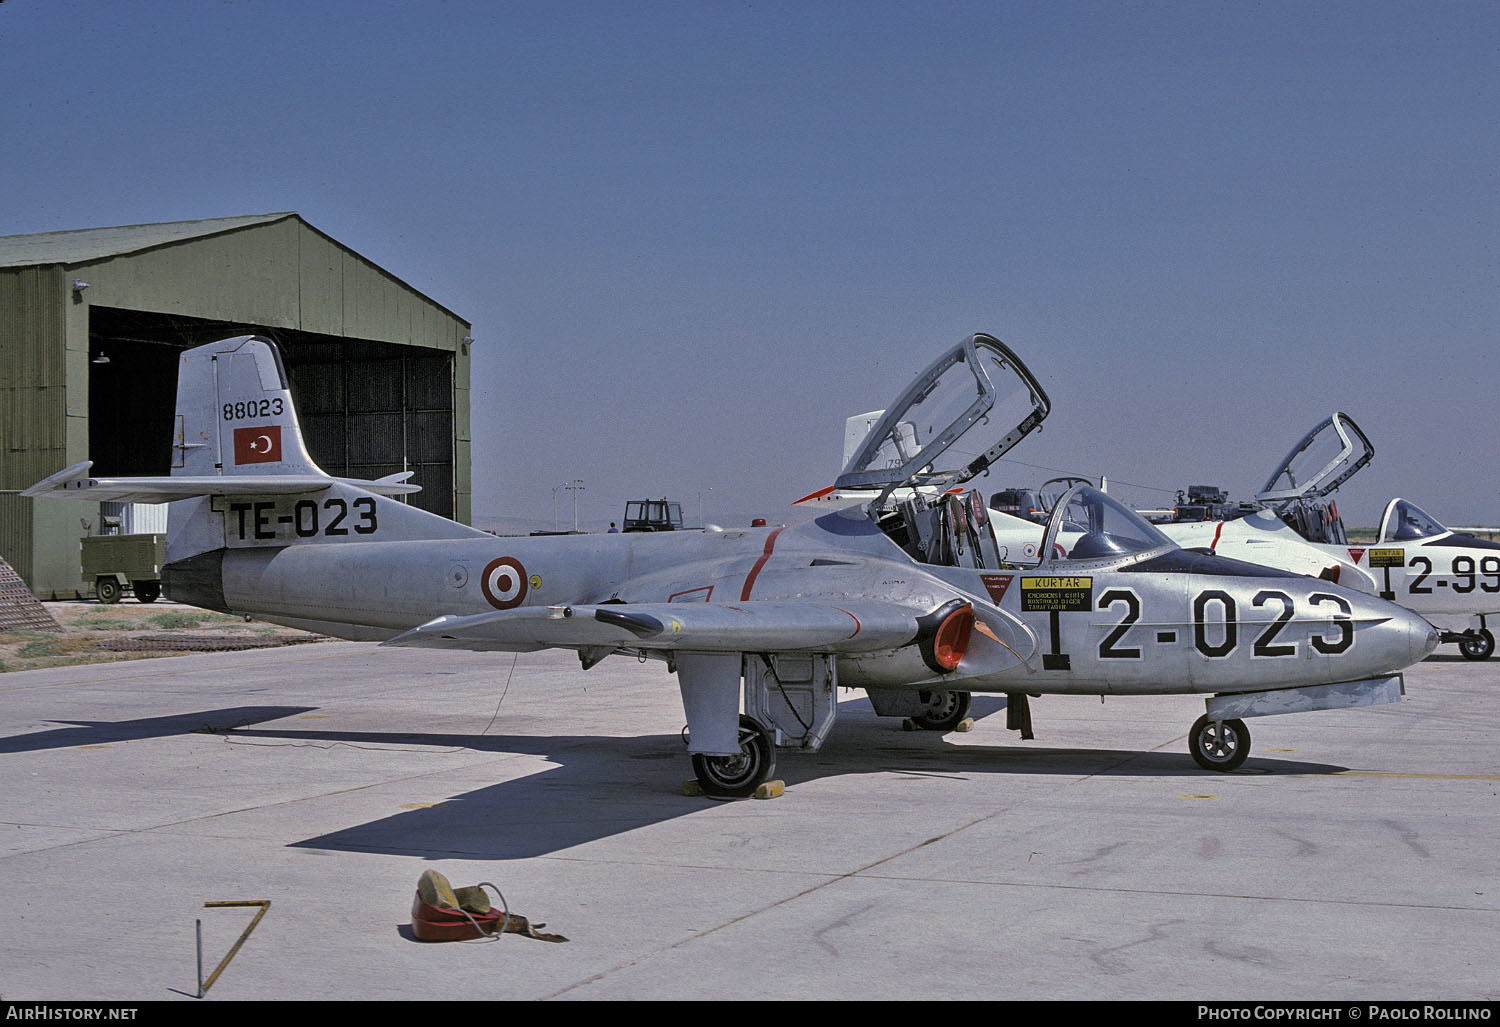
(257, 445)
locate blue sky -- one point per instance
(693, 237)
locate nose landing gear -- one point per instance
(1219, 744)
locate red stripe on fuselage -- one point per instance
(755, 571)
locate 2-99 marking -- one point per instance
(1466, 579)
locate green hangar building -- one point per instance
(92, 321)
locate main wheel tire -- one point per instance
(147, 591)
(947, 709)
(737, 777)
(1220, 746)
(107, 589)
(1478, 647)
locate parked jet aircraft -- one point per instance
(905, 596)
(1416, 561)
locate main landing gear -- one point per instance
(738, 776)
(944, 712)
(1219, 744)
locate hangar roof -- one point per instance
(85, 244)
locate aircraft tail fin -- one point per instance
(235, 434)
(243, 483)
(856, 430)
(235, 414)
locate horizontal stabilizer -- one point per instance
(771, 626)
(75, 483)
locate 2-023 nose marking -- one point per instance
(1215, 621)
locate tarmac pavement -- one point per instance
(1351, 858)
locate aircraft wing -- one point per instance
(75, 483)
(772, 625)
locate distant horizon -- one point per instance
(504, 525)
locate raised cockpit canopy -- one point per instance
(1325, 458)
(1108, 527)
(1406, 522)
(1054, 489)
(959, 416)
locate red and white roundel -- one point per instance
(504, 583)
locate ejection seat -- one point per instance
(950, 530)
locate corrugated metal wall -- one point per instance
(15, 533)
(33, 374)
(33, 394)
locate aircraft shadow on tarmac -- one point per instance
(604, 786)
(101, 732)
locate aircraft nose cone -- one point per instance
(1396, 639)
(1424, 640)
(1421, 638)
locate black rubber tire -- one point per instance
(947, 709)
(737, 777)
(107, 589)
(1480, 648)
(147, 591)
(1222, 747)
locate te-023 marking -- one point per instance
(333, 518)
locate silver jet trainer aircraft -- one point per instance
(1446, 576)
(904, 596)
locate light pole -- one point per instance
(575, 486)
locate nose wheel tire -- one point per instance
(1219, 745)
(947, 709)
(1479, 646)
(738, 776)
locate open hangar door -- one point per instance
(367, 408)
